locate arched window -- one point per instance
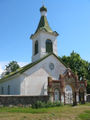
(68, 94)
(8, 89)
(36, 47)
(49, 46)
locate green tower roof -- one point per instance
(43, 24)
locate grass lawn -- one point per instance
(85, 115)
(80, 112)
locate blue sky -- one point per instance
(19, 19)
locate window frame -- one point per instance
(8, 90)
(49, 46)
(36, 47)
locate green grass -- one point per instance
(85, 116)
(29, 110)
(23, 110)
(86, 104)
(67, 112)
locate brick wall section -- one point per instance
(23, 100)
(88, 98)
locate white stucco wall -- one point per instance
(14, 84)
(35, 84)
(36, 80)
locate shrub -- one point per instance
(40, 104)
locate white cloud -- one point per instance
(2, 65)
(22, 63)
(1, 70)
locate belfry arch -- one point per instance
(49, 46)
(36, 47)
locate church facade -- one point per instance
(46, 75)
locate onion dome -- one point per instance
(43, 8)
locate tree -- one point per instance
(89, 71)
(11, 67)
(77, 64)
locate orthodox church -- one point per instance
(47, 75)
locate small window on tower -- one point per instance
(36, 47)
(49, 47)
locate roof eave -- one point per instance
(9, 77)
(35, 34)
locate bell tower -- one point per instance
(44, 39)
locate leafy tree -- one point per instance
(11, 67)
(89, 71)
(77, 64)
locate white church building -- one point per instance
(46, 75)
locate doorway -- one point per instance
(68, 95)
(56, 95)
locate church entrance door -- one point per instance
(68, 95)
(56, 95)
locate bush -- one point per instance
(40, 104)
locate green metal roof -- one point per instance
(43, 24)
(23, 69)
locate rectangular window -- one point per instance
(8, 90)
(2, 90)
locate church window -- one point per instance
(49, 47)
(2, 90)
(36, 47)
(8, 89)
(51, 66)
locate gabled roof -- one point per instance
(23, 69)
